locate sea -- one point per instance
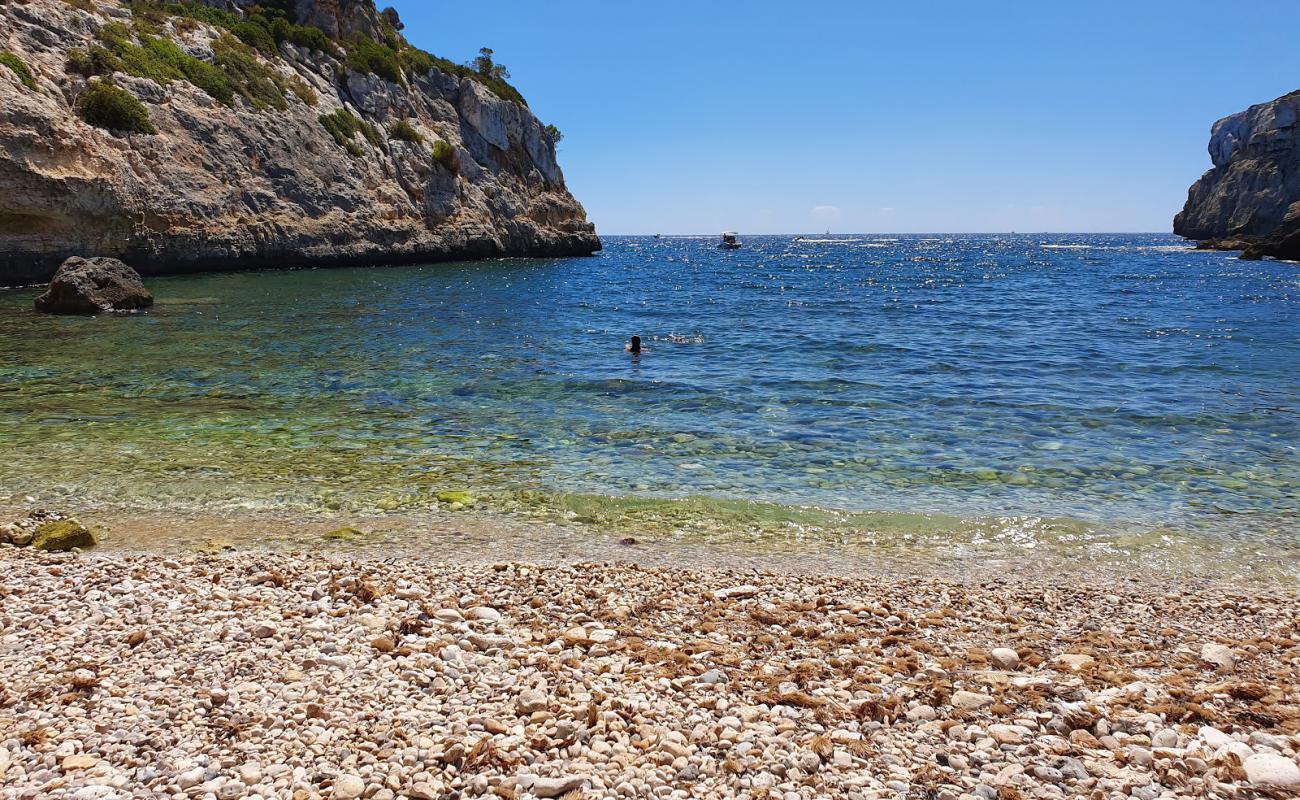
(858, 394)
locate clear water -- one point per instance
(1055, 388)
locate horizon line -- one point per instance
(919, 233)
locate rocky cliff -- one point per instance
(1250, 200)
(289, 133)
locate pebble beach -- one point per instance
(258, 675)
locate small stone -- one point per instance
(348, 787)
(530, 701)
(1007, 734)
(426, 790)
(483, 614)
(262, 630)
(922, 713)
(79, 762)
(1075, 661)
(1165, 738)
(713, 676)
(191, 778)
(1219, 655)
(970, 701)
(1004, 658)
(1214, 738)
(1271, 769)
(557, 787)
(1074, 769)
(735, 592)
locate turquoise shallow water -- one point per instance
(1062, 387)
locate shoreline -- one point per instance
(256, 674)
(152, 266)
(476, 537)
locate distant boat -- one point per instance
(729, 241)
(659, 236)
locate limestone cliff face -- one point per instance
(225, 185)
(1252, 195)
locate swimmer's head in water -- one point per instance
(635, 347)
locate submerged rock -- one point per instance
(344, 535)
(94, 286)
(62, 535)
(456, 497)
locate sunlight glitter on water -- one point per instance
(1035, 391)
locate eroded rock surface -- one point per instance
(93, 286)
(1251, 198)
(223, 186)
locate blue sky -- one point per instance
(903, 116)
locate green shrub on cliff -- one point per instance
(445, 154)
(303, 36)
(404, 131)
(263, 26)
(344, 127)
(415, 61)
(235, 69)
(95, 61)
(20, 69)
(367, 55)
(106, 105)
(304, 91)
(257, 83)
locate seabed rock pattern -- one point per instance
(261, 676)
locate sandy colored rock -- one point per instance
(1074, 661)
(1271, 769)
(229, 186)
(1005, 658)
(1218, 655)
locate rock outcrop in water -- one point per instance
(1250, 200)
(93, 286)
(290, 133)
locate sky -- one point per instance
(878, 117)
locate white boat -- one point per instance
(730, 241)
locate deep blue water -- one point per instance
(1122, 380)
